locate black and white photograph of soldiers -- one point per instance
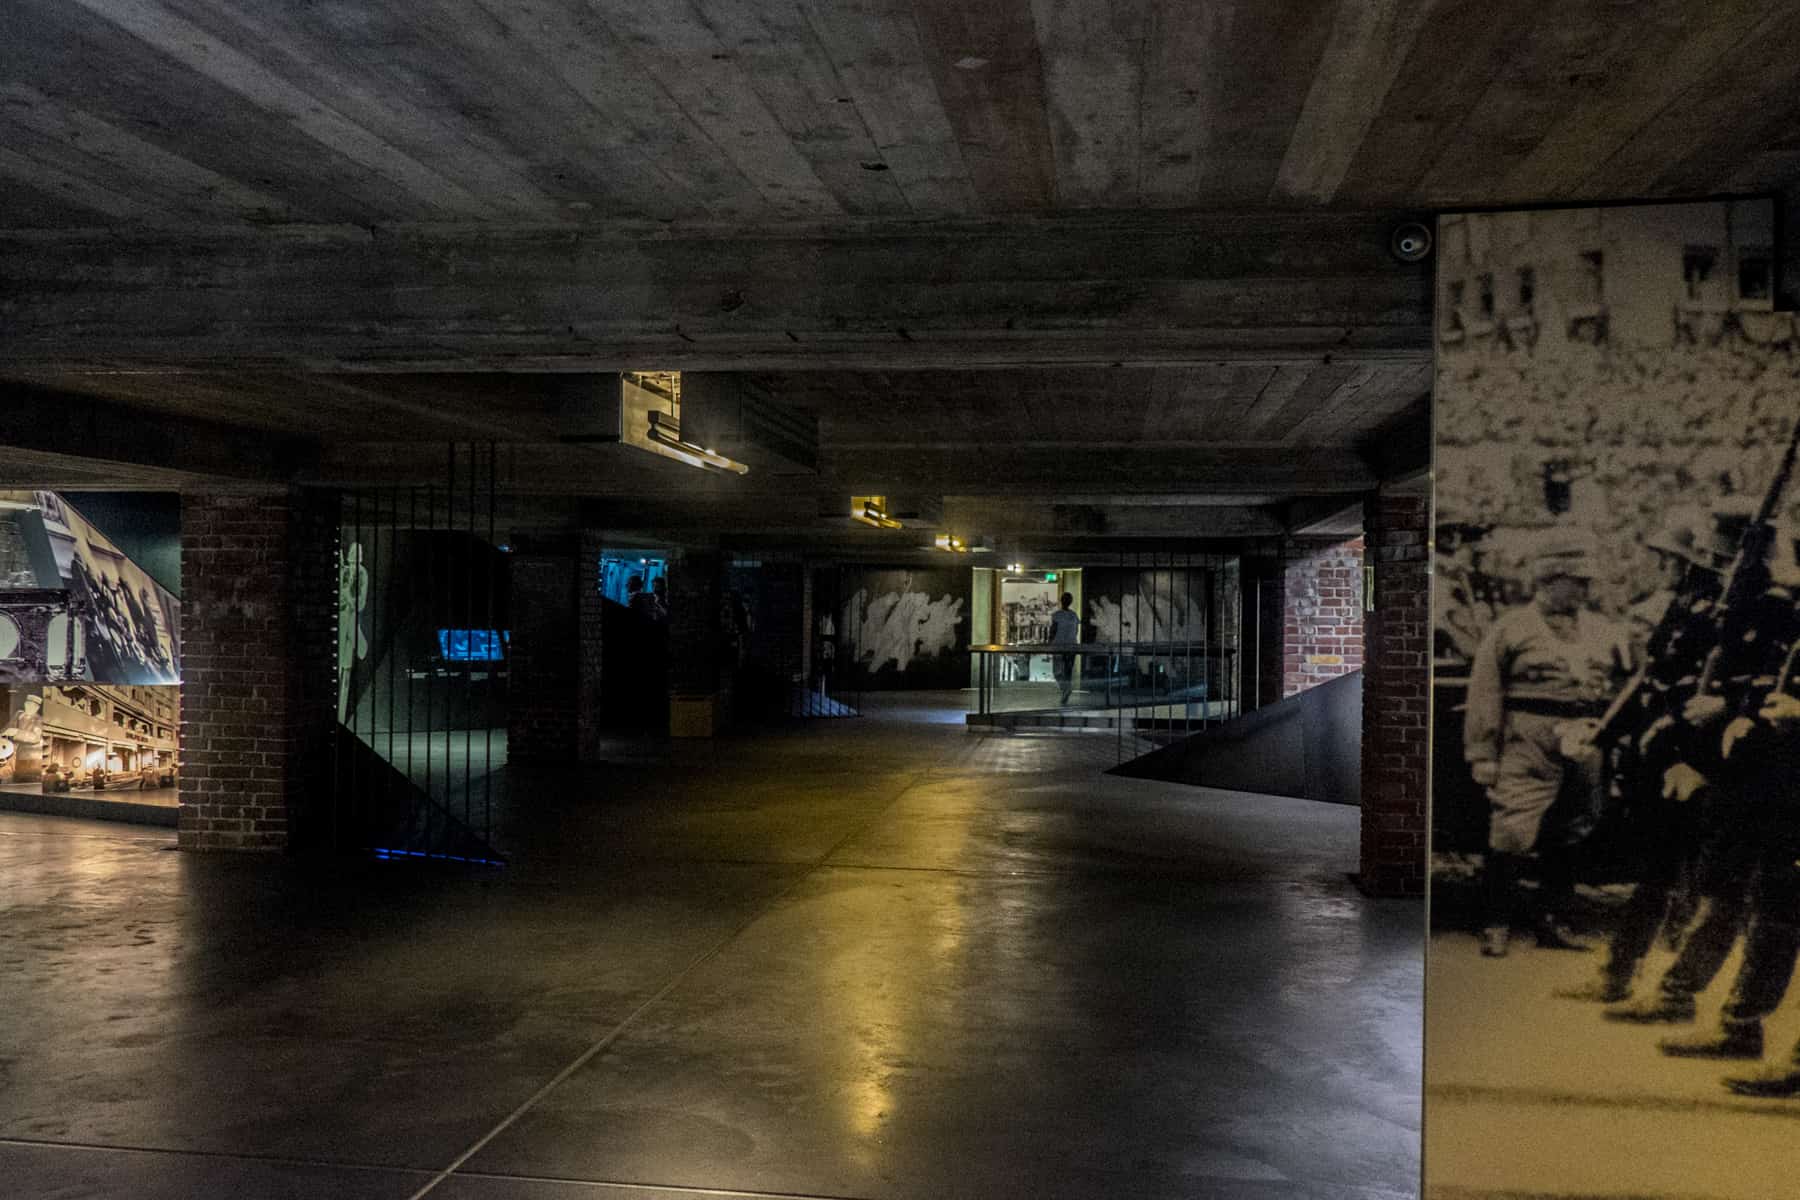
(1615, 884)
(129, 623)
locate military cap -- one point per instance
(1563, 553)
(1730, 520)
(1679, 537)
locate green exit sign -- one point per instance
(1049, 576)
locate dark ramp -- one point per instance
(1308, 746)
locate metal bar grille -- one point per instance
(422, 664)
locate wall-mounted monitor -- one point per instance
(473, 645)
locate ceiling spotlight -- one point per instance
(950, 542)
(665, 431)
(872, 510)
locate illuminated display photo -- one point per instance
(1613, 885)
(73, 606)
(90, 659)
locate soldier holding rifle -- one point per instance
(1732, 768)
(1644, 722)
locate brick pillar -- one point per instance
(1396, 697)
(806, 625)
(589, 611)
(1263, 597)
(543, 723)
(782, 644)
(694, 637)
(259, 641)
(1322, 619)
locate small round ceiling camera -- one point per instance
(1410, 242)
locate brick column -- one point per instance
(1322, 616)
(1396, 697)
(694, 636)
(1263, 585)
(780, 638)
(589, 613)
(806, 625)
(259, 641)
(543, 723)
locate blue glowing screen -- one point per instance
(473, 645)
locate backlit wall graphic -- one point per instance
(906, 628)
(1615, 899)
(73, 606)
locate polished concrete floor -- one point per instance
(873, 958)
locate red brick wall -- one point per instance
(1322, 636)
(1396, 699)
(258, 635)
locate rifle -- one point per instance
(1612, 721)
(1749, 575)
(1747, 579)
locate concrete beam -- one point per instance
(100, 434)
(993, 516)
(1141, 289)
(1049, 472)
(1320, 516)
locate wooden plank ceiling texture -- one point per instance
(202, 112)
(990, 183)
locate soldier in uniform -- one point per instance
(1673, 656)
(1718, 754)
(1541, 677)
(1772, 944)
(1676, 548)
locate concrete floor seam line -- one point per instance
(695, 964)
(672, 1188)
(278, 1160)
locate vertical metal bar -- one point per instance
(412, 609)
(430, 544)
(1187, 647)
(448, 590)
(492, 624)
(337, 669)
(357, 591)
(377, 785)
(393, 497)
(469, 667)
(1156, 634)
(1209, 614)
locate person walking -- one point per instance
(1065, 630)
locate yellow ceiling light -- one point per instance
(872, 511)
(950, 542)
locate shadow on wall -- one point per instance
(1308, 746)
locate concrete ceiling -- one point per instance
(375, 112)
(1081, 269)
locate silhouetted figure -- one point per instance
(1065, 630)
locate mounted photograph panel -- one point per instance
(77, 607)
(1615, 901)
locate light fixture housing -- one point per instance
(872, 511)
(665, 431)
